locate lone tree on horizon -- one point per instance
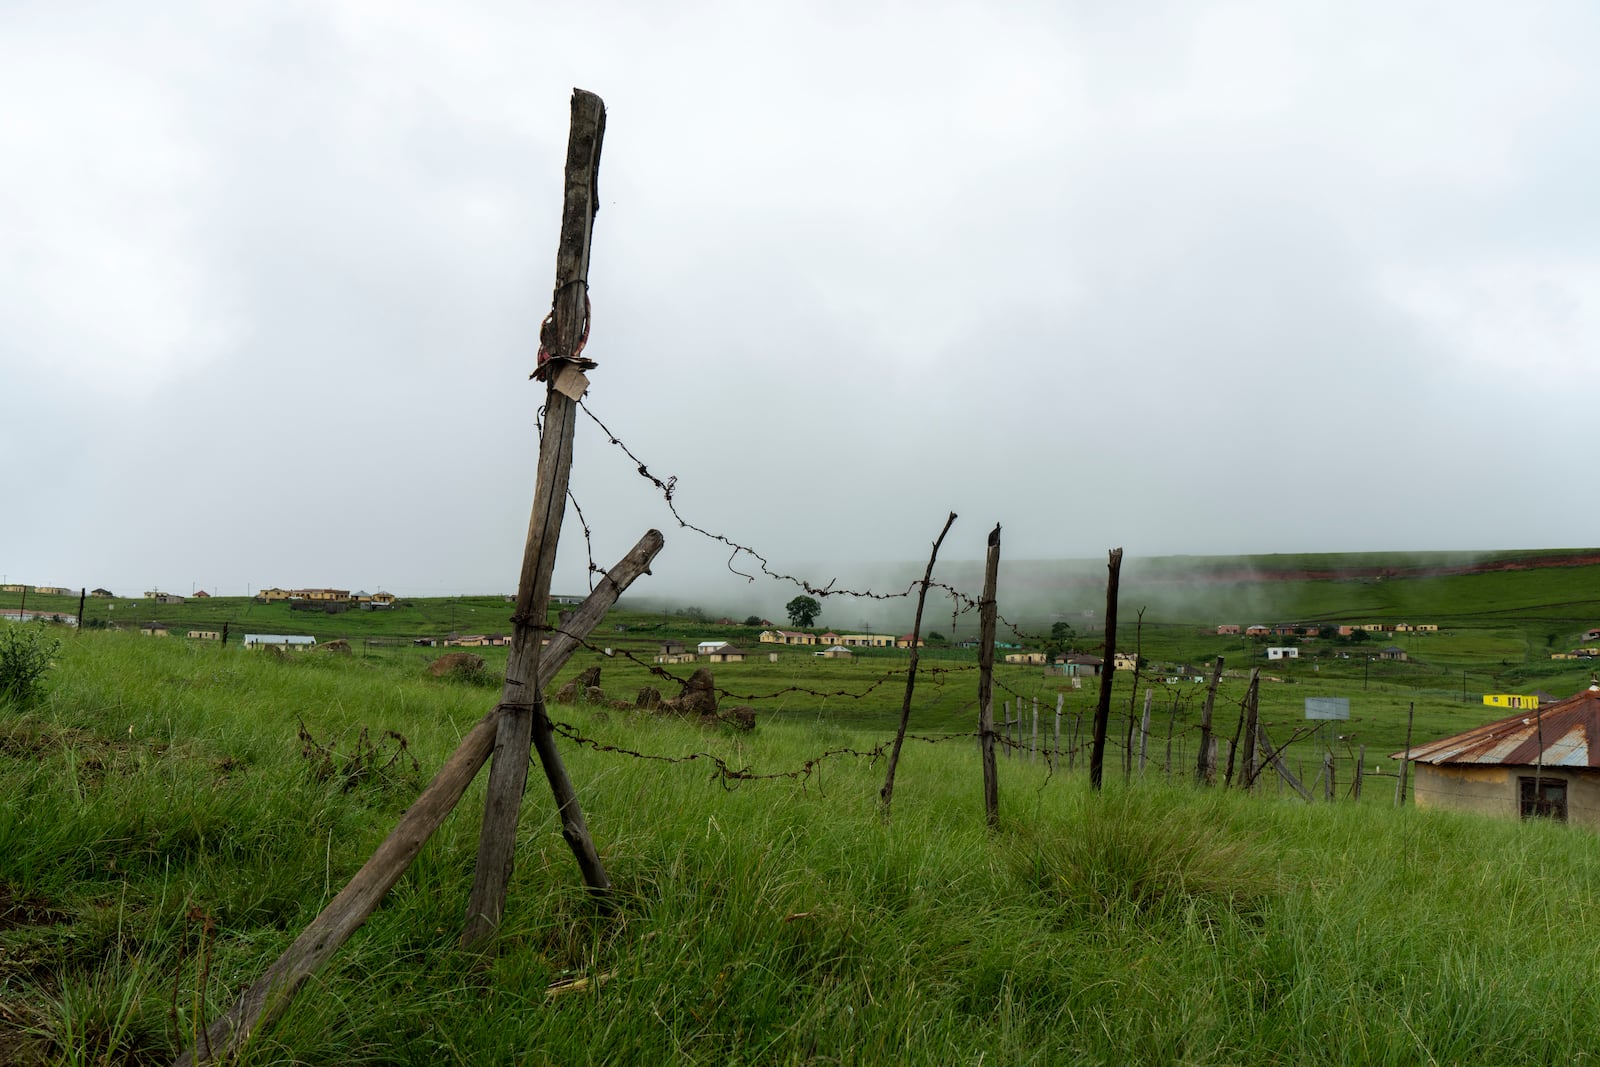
(803, 610)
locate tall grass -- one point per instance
(162, 839)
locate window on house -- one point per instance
(1544, 798)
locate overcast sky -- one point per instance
(1202, 278)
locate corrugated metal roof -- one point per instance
(1568, 730)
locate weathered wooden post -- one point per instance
(1252, 717)
(1328, 790)
(1405, 764)
(886, 794)
(1144, 730)
(344, 914)
(525, 722)
(1361, 772)
(1055, 747)
(986, 617)
(1206, 767)
(1033, 739)
(1102, 711)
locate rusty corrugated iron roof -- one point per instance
(1569, 731)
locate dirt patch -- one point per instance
(18, 910)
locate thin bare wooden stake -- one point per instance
(1361, 772)
(1206, 767)
(264, 1001)
(1033, 741)
(525, 723)
(1102, 711)
(886, 794)
(1144, 730)
(1055, 758)
(1405, 764)
(986, 621)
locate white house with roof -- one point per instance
(282, 642)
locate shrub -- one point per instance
(25, 658)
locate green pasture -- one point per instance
(172, 813)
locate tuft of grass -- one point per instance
(1137, 851)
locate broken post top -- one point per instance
(566, 329)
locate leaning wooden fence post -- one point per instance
(1144, 730)
(1206, 767)
(1405, 764)
(272, 992)
(1102, 711)
(525, 723)
(1361, 772)
(886, 794)
(986, 617)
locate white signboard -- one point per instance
(1327, 707)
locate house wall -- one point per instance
(1494, 790)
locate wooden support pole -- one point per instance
(886, 794)
(1102, 711)
(262, 1003)
(1328, 788)
(1405, 764)
(1252, 719)
(1205, 771)
(1238, 730)
(1144, 730)
(1361, 772)
(525, 722)
(1033, 741)
(1055, 747)
(1275, 757)
(986, 621)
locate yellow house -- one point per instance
(1124, 661)
(1031, 659)
(204, 635)
(270, 595)
(1510, 700)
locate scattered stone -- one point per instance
(740, 717)
(337, 645)
(649, 698)
(594, 695)
(567, 694)
(589, 679)
(699, 696)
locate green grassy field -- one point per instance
(173, 812)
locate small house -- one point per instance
(671, 648)
(906, 641)
(1228, 629)
(836, 652)
(1124, 661)
(281, 642)
(154, 629)
(102, 593)
(1289, 652)
(1258, 631)
(1393, 652)
(705, 648)
(1028, 659)
(1077, 664)
(1538, 762)
(202, 595)
(204, 635)
(725, 653)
